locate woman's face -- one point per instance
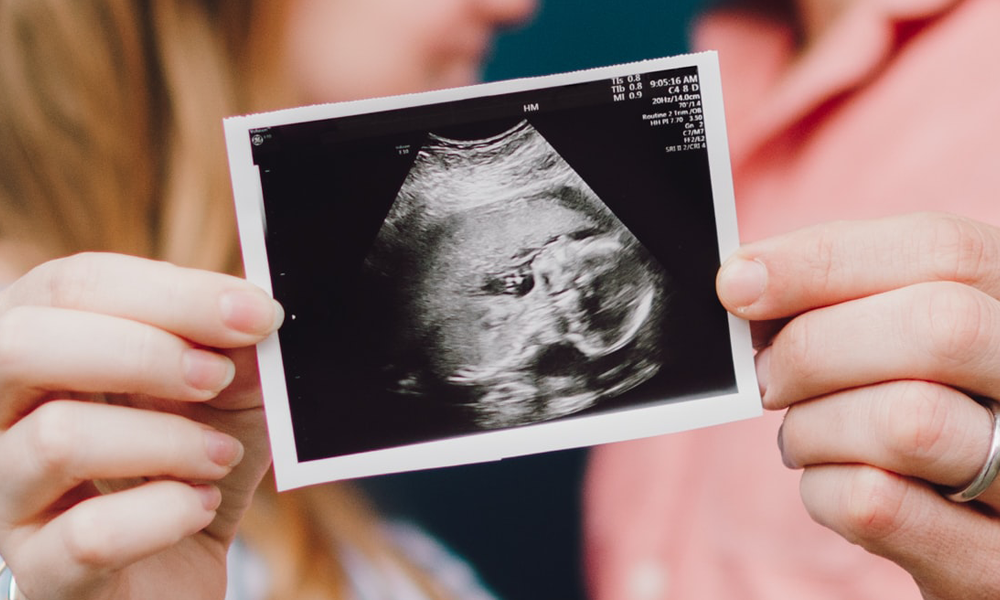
(348, 49)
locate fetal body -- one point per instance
(518, 294)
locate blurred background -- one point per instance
(518, 521)
(577, 34)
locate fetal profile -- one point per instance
(519, 295)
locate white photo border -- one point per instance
(485, 446)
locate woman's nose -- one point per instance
(507, 12)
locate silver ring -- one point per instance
(984, 479)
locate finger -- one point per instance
(57, 349)
(913, 428)
(823, 265)
(207, 308)
(78, 551)
(944, 332)
(950, 549)
(65, 443)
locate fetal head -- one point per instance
(543, 322)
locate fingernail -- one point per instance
(211, 496)
(781, 446)
(763, 367)
(251, 312)
(207, 371)
(788, 462)
(741, 282)
(223, 450)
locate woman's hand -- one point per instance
(877, 336)
(131, 428)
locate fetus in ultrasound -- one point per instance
(520, 296)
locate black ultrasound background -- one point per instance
(327, 186)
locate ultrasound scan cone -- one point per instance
(520, 295)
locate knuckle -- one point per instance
(954, 321)
(920, 430)
(51, 437)
(823, 263)
(13, 333)
(795, 347)
(874, 506)
(959, 249)
(179, 438)
(85, 538)
(141, 347)
(71, 281)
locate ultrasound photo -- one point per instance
(493, 271)
(520, 294)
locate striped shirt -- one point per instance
(369, 579)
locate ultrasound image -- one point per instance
(519, 295)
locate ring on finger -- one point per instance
(991, 466)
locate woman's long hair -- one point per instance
(111, 139)
(110, 130)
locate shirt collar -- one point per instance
(775, 85)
